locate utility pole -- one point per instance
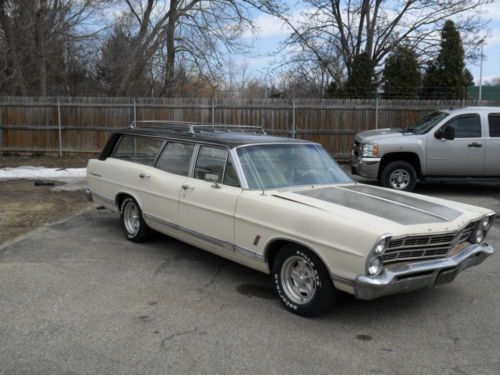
(480, 97)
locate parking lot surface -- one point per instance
(76, 297)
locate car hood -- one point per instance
(384, 208)
(378, 134)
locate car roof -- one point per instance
(229, 139)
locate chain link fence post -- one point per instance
(59, 130)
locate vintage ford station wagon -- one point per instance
(284, 207)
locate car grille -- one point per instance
(425, 247)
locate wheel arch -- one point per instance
(409, 157)
(274, 245)
(124, 194)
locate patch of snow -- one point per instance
(35, 173)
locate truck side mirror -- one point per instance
(449, 132)
(446, 132)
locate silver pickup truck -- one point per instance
(445, 146)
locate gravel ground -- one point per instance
(77, 298)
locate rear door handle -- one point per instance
(143, 175)
(187, 187)
(474, 145)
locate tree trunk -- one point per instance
(40, 47)
(12, 50)
(170, 41)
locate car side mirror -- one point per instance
(214, 179)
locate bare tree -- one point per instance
(377, 27)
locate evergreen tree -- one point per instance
(469, 78)
(401, 74)
(430, 83)
(361, 81)
(450, 63)
(331, 90)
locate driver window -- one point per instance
(210, 163)
(467, 126)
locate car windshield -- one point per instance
(284, 165)
(427, 123)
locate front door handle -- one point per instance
(143, 175)
(474, 145)
(187, 187)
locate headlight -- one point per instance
(482, 228)
(374, 266)
(369, 150)
(374, 262)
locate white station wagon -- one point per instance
(284, 207)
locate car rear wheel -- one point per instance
(399, 175)
(133, 224)
(302, 282)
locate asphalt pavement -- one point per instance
(77, 298)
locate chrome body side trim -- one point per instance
(424, 274)
(100, 197)
(214, 241)
(248, 253)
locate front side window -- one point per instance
(494, 123)
(210, 164)
(137, 149)
(467, 126)
(176, 158)
(284, 165)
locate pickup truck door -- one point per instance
(492, 159)
(462, 156)
(208, 201)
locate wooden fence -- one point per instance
(82, 125)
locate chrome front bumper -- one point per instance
(365, 167)
(426, 274)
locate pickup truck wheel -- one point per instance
(133, 224)
(399, 175)
(302, 282)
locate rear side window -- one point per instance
(494, 123)
(210, 163)
(137, 149)
(467, 126)
(176, 158)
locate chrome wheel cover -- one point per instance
(131, 218)
(298, 280)
(399, 179)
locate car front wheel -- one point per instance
(302, 282)
(399, 175)
(133, 224)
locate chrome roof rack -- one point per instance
(193, 127)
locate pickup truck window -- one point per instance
(211, 161)
(176, 158)
(494, 124)
(467, 126)
(427, 122)
(141, 150)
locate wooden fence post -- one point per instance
(293, 119)
(376, 111)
